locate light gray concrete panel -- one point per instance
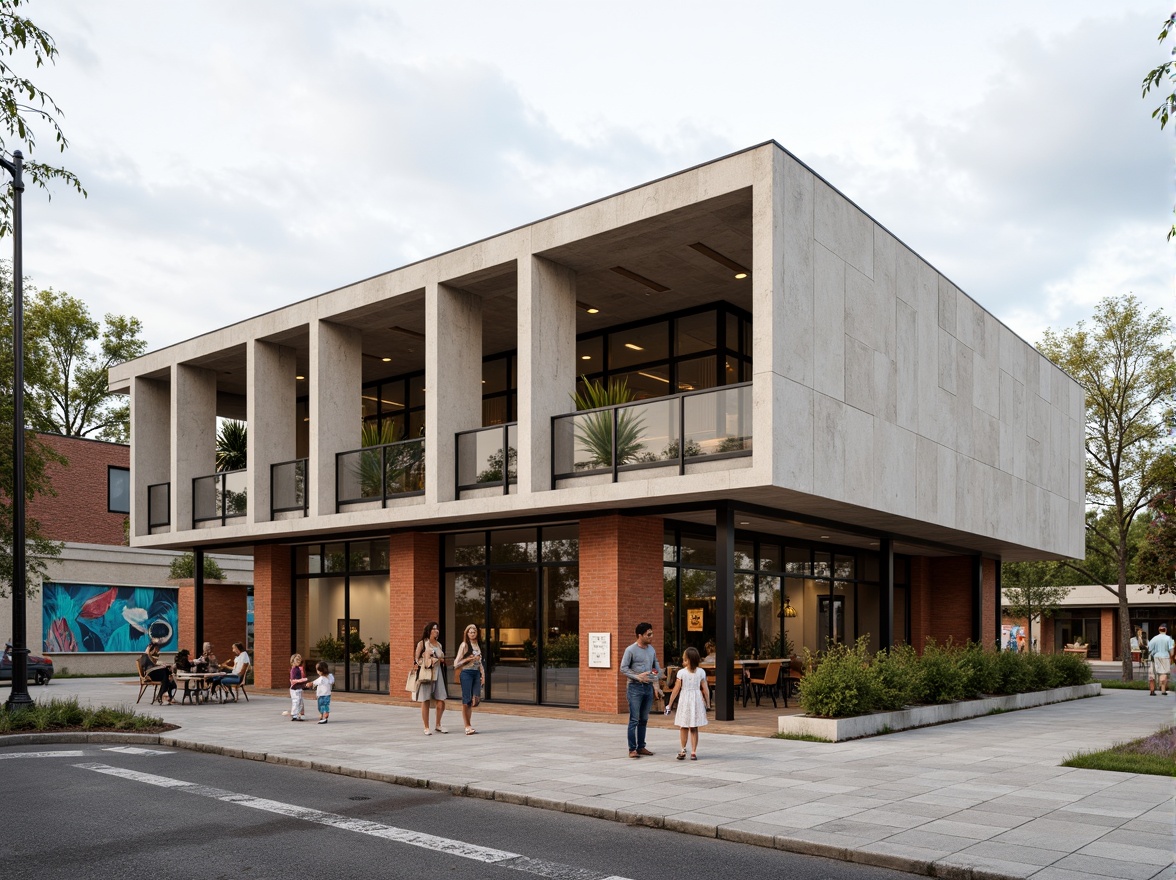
(769, 295)
(1034, 462)
(906, 366)
(270, 415)
(1038, 418)
(885, 387)
(926, 479)
(947, 361)
(970, 490)
(967, 319)
(150, 445)
(885, 295)
(336, 408)
(792, 187)
(547, 365)
(193, 436)
(1013, 351)
(1012, 425)
(1045, 377)
(792, 445)
(946, 484)
(829, 447)
(895, 480)
(985, 437)
(829, 315)
(453, 381)
(1058, 458)
(963, 399)
(986, 384)
(949, 296)
(859, 375)
(859, 453)
(843, 228)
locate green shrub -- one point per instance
(896, 678)
(981, 676)
(1039, 672)
(943, 677)
(1012, 672)
(329, 648)
(1069, 670)
(59, 714)
(841, 684)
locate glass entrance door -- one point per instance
(831, 626)
(513, 626)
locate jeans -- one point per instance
(640, 702)
(471, 684)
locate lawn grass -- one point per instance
(68, 715)
(1153, 755)
(1116, 685)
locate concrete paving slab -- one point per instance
(1119, 869)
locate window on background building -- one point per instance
(118, 489)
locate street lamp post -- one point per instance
(18, 697)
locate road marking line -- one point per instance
(69, 753)
(444, 845)
(135, 750)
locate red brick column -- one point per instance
(271, 616)
(920, 588)
(1108, 638)
(988, 600)
(225, 607)
(620, 586)
(950, 589)
(413, 589)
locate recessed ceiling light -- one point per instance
(652, 376)
(592, 311)
(744, 523)
(740, 271)
(299, 378)
(634, 346)
(585, 357)
(386, 360)
(640, 279)
(824, 536)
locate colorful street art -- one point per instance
(85, 618)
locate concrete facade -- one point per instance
(887, 404)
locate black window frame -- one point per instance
(110, 468)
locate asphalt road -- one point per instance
(101, 811)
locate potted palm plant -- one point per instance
(594, 432)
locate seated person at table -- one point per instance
(150, 667)
(206, 662)
(710, 652)
(239, 664)
(183, 661)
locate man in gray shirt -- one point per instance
(640, 666)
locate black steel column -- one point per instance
(977, 596)
(886, 593)
(18, 697)
(198, 594)
(724, 612)
(293, 600)
(999, 614)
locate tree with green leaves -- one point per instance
(232, 446)
(67, 358)
(1163, 79)
(1126, 362)
(1030, 589)
(183, 567)
(25, 107)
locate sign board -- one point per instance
(599, 650)
(694, 620)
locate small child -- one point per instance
(322, 687)
(297, 682)
(695, 700)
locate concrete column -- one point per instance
(193, 436)
(620, 586)
(271, 616)
(453, 381)
(270, 395)
(414, 591)
(150, 446)
(336, 412)
(547, 362)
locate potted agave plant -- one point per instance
(594, 432)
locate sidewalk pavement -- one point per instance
(983, 798)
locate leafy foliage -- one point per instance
(24, 106)
(1155, 80)
(841, 684)
(183, 567)
(595, 431)
(1156, 561)
(59, 714)
(67, 357)
(1029, 590)
(232, 446)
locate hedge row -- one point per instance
(849, 680)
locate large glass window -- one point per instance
(118, 489)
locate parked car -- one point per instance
(40, 669)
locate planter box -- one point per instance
(838, 729)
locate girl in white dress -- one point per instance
(693, 698)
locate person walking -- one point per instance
(430, 655)
(322, 689)
(1160, 648)
(693, 698)
(639, 665)
(297, 686)
(471, 673)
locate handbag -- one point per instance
(411, 684)
(426, 674)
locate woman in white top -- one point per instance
(693, 698)
(471, 674)
(430, 655)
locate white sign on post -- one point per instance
(599, 650)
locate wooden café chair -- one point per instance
(769, 681)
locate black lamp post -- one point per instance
(18, 697)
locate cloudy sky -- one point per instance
(240, 156)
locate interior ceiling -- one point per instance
(658, 248)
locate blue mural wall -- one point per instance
(88, 618)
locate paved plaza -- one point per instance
(980, 798)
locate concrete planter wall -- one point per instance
(838, 729)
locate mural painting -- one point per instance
(86, 618)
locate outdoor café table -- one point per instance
(743, 688)
(197, 685)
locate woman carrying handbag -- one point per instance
(468, 665)
(429, 659)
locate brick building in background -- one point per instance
(100, 598)
(829, 440)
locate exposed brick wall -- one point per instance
(1108, 638)
(920, 601)
(414, 561)
(225, 607)
(78, 512)
(271, 615)
(620, 586)
(941, 600)
(988, 633)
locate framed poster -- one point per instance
(694, 620)
(599, 650)
(342, 636)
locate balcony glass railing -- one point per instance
(222, 497)
(158, 505)
(664, 432)
(378, 473)
(488, 457)
(288, 487)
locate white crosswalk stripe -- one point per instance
(447, 846)
(65, 753)
(135, 750)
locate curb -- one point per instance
(666, 823)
